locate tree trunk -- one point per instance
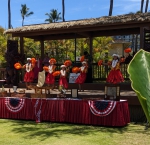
(63, 10)
(9, 15)
(22, 21)
(146, 6)
(111, 8)
(142, 3)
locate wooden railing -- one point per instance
(2, 73)
(100, 73)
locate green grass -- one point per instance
(17, 132)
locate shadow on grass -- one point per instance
(44, 130)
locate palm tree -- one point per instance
(25, 12)
(53, 16)
(146, 6)
(111, 7)
(9, 15)
(142, 3)
(63, 10)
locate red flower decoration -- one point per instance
(17, 65)
(52, 60)
(67, 63)
(127, 50)
(82, 58)
(75, 69)
(45, 68)
(56, 73)
(33, 60)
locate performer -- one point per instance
(63, 84)
(83, 74)
(50, 79)
(128, 56)
(38, 67)
(115, 75)
(29, 75)
(88, 58)
(46, 60)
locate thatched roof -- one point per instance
(102, 21)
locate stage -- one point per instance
(68, 110)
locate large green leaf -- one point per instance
(139, 73)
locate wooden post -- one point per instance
(75, 48)
(21, 45)
(141, 37)
(91, 45)
(42, 49)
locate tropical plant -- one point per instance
(31, 47)
(25, 12)
(3, 45)
(101, 46)
(146, 6)
(9, 15)
(111, 8)
(53, 16)
(139, 75)
(63, 10)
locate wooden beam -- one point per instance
(84, 34)
(94, 34)
(116, 32)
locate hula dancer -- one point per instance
(50, 79)
(63, 84)
(29, 75)
(115, 75)
(83, 74)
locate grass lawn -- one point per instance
(18, 132)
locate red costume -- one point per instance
(82, 77)
(115, 75)
(63, 80)
(29, 75)
(50, 79)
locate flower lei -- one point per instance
(50, 69)
(63, 73)
(114, 62)
(82, 68)
(28, 67)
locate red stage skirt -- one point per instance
(29, 76)
(50, 79)
(63, 82)
(81, 78)
(115, 76)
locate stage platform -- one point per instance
(86, 94)
(96, 91)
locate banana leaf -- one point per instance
(139, 74)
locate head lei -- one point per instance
(52, 61)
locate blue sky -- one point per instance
(74, 9)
